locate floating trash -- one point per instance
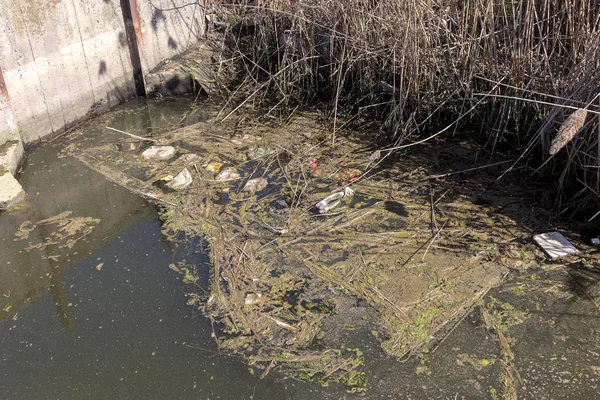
(160, 153)
(555, 245)
(252, 298)
(260, 152)
(228, 174)
(213, 166)
(181, 181)
(333, 200)
(255, 185)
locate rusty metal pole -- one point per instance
(133, 31)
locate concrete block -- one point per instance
(11, 191)
(11, 156)
(61, 61)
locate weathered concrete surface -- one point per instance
(64, 60)
(11, 155)
(11, 191)
(167, 28)
(8, 124)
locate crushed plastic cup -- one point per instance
(333, 200)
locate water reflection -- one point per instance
(59, 296)
(30, 267)
(56, 184)
(70, 330)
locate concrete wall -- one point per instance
(62, 60)
(168, 27)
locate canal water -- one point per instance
(95, 312)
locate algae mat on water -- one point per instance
(418, 255)
(67, 231)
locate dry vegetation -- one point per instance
(405, 257)
(513, 70)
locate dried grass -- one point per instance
(414, 66)
(568, 130)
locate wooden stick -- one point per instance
(533, 101)
(464, 170)
(281, 323)
(433, 240)
(131, 134)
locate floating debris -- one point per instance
(160, 153)
(333, 200)
(213, 166)
(228, 174)
(188, 159)
(181, 181)
(68, 230)
(260, 152)
(252, 298)
(246, 138)
(255, 185)
(307, 269)
(555, 245)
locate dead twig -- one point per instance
(435, 236)
(131, 134)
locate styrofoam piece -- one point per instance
(555, 244)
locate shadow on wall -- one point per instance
(122, 39)
(157, 16)
(102, 68)
(114, 96)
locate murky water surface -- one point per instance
(90, 310)
(106, 317)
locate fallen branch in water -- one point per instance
(465, 170)
(131, 134)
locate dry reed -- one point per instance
(568, 130)
(414, 66)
